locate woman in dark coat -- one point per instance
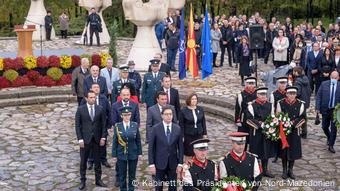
(192, 123)
(244, 56)
(326, 65)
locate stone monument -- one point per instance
(99, 5)
(145, 16)
(36, 16)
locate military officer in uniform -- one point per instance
(277, 95)
(126, 147)
(134, 75)
(297, 113)
(201, 173)
(242, 100)
(118, 85)
(151, 84)
(240, 163)
(256, 114)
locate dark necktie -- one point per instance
(168, 133)
(95, 80)
(167, 94)
(91, 112)
(331, 101)
(125, 104)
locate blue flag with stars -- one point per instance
(206, 48)
(181, 64)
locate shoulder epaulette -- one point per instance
(255, 155)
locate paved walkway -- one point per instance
(39, 151)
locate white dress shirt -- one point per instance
(126, 125)
(168, 92)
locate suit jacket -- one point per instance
(135, 116)
(86, 128)
(174, 99)
(164, 68)
(154, 117)
(131, 137)
(312, 61)
(114, 77)
(78, 81)
(323, 96)
(88, 81)
(150, 87)
(160, 152)
(187, 122)
(104, 103)
(117, 86)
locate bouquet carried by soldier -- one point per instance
(277, 127)
(232, 183)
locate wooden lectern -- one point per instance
(24, 33)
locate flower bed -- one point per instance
(42, 70)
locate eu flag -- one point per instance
(182, 59)
(206, 48)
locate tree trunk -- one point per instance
(330, 9)
(76, 10)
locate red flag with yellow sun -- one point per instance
(191, 50)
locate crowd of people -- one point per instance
(177, 138)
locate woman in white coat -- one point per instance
(280, 46)
(216, 35)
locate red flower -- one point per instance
(8, 63)
(4, 83)
(54, 61)
(65, 80)
(45, 81)
(33, 75)
(22, 81)
(18, 63)
(42, 62)
(75, 61)
(96, 60)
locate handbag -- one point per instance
(163, 45)
(100, 28)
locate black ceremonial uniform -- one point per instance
(276, 96)
(200, 176)
(241, 105)
(134, 75)
(296, 113)
(257, 113)
(244, 167)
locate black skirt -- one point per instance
(188, 150)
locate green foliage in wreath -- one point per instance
(336, 115)
(11, 75)
(55, 73)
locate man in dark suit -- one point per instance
(116, 117)
(165, 152)
(270, 35)
(226, 42)
(172, 93)
(90, 126)
(154, 113)
(135, 75)
(118, 85)
(102, 101)
(151, 84)
(163, 67)
(313, 58)
(327, 98)
(94, 77)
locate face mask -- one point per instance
(333, 81)
(131, 70)
(300, 45)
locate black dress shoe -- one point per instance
(100, 183)
(331, 149)
(284, 176)
(291, 174)
(106, 164)
(269, 175)
(90, 166)
(82, 185)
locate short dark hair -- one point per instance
(164, 108)
(90, 91)
(166, 76)
(95, 83)
(298, 70)
(48, 11)
(161, 93)
(188, 100)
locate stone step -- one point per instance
(36, 100)
(33, 91)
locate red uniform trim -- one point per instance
(249, 91)
(290, 102)
(237, 158)
(199, 163)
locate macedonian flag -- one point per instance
(191, 50)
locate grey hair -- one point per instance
(85, 60)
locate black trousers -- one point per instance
(329, 127)
(48, 33)
(95, 31)
(102, 154)
(79, 100)
(223, 47)
(84, 155)
(127, 168)
(214, 59)
(171, 179)
(63, 33)
(268, 50)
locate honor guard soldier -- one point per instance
(296, 111)
(151, 84)
(126, 147)
(276, 95)
(201, 173)
(240, 163)
(117, 85)
(242, 100)
(256, 114)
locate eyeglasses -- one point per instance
(167, 114)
